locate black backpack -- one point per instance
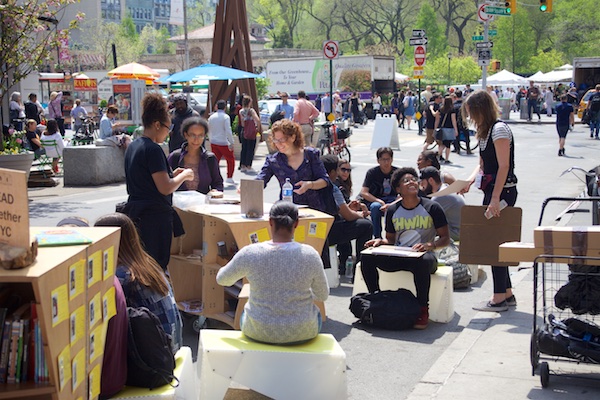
(150, 360)
(387, 309)
(595, 102)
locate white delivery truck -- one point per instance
(586, 72)
(361, 73)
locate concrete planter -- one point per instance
(20, 162)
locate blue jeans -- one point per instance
(376, 214)
(595, 123)
(532, 104)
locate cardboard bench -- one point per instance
(184, 372)
(441, 303)
(315, 370)
(92, 165)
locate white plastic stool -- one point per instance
(184, 371)
(332, 274)
(315, 370)
(441, 303)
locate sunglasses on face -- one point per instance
(346, 170)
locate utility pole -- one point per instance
(186, 64)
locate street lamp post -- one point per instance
(449, 58)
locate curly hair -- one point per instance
(289, 129)
(154, 108)
(399, 173)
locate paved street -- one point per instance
(390, 365)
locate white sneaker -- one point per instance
(230, 181)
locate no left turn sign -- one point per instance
(331, 49)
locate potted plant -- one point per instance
(14, 154)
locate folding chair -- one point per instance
(52, 151)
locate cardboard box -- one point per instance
(568, 241)
(518, 252)
(480, 238)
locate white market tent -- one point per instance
(536, 76)
(401, 77)
(556, 76)
(505, 77)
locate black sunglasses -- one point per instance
(346, 169)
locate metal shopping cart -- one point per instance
(566, 308)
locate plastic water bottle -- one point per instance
(349, 267)
(287, 191)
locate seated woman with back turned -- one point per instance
(143, 281)
(285, 278)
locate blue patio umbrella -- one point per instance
(210, 72)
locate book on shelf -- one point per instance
(11, 375)
(4, 349)
(61, 237)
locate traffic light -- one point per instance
(511, 6)
(546, 6)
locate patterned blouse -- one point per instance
(310, 170)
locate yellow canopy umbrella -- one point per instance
(134, 71)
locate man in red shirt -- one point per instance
(304, 114)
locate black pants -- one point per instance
(342, 232)
(61, 125)
(247, 154)
(156, 233)
(422, 268)
(501, 275)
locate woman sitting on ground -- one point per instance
(286, 277)
(429, 158)
(193, 155)
(142, 279)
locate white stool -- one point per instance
(315, 370)
(332, 274)
(184, 371)
(441, 303)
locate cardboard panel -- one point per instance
(251, 196)
(186, 278)
(480, 238)
(213, 294)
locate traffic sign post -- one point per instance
(477, 38)
(417, 41)
(331, 50)
(484, 45)
(419, 56)
(482, 15)
(493, 10)
(418, 73)
(416, 33)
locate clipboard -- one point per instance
(394, 251)
(480, 238)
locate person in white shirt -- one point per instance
(221, 138)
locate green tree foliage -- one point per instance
(199, 13)
(462, 70)
(437, 45)
(514, 37)
(546, 61)
(262, 85)
(28, 37)
(575, 32)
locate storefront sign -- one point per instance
(85, 85)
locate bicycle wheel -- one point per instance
(325, 148)
(344, 152)
(473, 142)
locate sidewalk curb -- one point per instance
(446, 365)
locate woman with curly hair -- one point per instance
(301, 164)
(151, 182)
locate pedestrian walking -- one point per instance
(565, 120)
(221, 138)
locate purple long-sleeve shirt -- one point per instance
(54, 110)
(208, 173)
(310, 170)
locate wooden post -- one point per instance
(231, 48)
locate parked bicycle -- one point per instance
(333, 141)
(592, 179)
(86, 134)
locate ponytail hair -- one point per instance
(284, 215)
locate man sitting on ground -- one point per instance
(351, 222)
(431, 182)
(412, 222)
